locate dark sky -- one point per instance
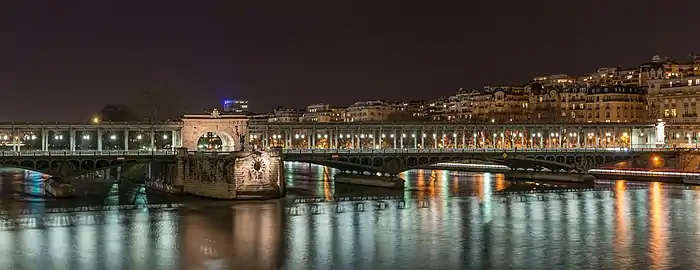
(63, 60)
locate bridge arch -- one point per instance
(394, 164)
(230, 128)
(227, 143)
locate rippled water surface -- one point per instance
(445, 220)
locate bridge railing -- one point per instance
(470, 150)
(88, 153)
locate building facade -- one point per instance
(324, 113)
(236, 106)
(368, 111)
(285, 115)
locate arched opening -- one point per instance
(210, 141)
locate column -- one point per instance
(174, 140)
(422, 138)
(99, 139)
(313, 138)
(264, 139)
(541, 135)
(660, 134)
(126, 141)
(15, 141)
(483, 137)
(335, 137)
(578, 138)
(153, 142)
(44, 140)
(374, 138)
(71, 138)
(352, 139)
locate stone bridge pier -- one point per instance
(224, 175)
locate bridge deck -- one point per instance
(87, 153)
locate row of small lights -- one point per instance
(553, 135)
(85, 137)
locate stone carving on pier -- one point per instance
(253, 173)
(211, 170)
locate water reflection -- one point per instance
(449, 220)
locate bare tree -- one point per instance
(158, 104)
(118, 113)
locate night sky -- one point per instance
(64, 60)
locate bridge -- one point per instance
(394, 161)
(79, 162)
(382, 147)
(382, 161)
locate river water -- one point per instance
(447, 220)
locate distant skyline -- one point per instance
(64, 60)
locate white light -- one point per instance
(434, 135)
(138, 137)
(165, 137)
(341, 136)
(325, 135)
(296, 136)
(319, 135)
(454, 135)
(302, 136)
(392, 135)
(383, 135)
(113, 137)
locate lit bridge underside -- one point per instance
(67, 163)
(394, 161)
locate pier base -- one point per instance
(243, 174)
